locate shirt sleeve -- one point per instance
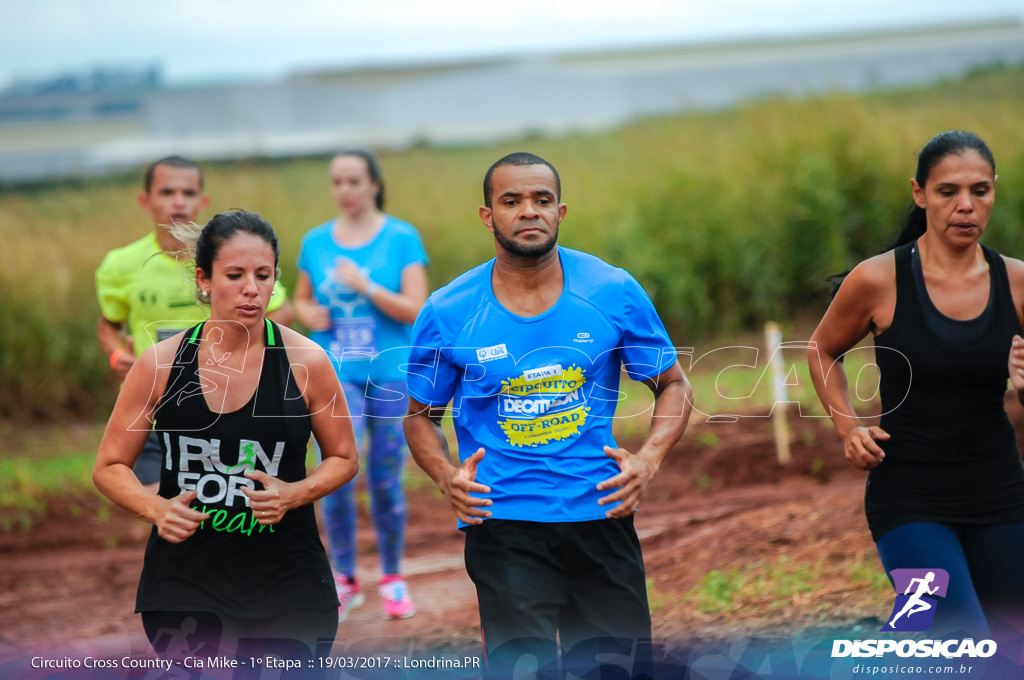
(111, 290)
(414, 252)
(646, 350)
(431, 375)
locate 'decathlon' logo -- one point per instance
(543, 405)
(914, 610)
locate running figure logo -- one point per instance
(914, 610)
(246, 462)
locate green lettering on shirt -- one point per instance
(243, 522)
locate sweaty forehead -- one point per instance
(168, 176)
(523, 179)
(967, 166)
(349, 166)
(245, 250)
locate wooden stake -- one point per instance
(773, 339)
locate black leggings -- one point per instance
(296, 635)
(984, 563)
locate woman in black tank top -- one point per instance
(234, 565)
(945, 487)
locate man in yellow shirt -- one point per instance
(144, 292)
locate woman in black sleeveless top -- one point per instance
(946, 484)
(234, 564)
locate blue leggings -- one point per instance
(377, 410)
(986, 572)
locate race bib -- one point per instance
(358, 334)
(164, 333)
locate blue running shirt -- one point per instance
(539, 393)
(363, 341)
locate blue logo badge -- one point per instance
(916, 593)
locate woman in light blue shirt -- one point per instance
(362, 281)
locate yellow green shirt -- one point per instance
(152, 293)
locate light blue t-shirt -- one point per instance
(539, 393)
(363, 341)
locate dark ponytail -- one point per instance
(914, 226)
(916, 222)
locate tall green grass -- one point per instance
(727, 219)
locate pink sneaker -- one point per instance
(395, 594)
(349, 595)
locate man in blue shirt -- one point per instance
(528, 348)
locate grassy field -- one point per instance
(727, 219)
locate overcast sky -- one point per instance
(202, 40)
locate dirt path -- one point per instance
(726, 506)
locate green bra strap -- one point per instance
(271, 337)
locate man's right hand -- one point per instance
(463, 483)
(175, 520)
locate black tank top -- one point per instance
(232, 565)
(952, 456)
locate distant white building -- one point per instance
(77, 133)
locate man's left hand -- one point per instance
(631, 482)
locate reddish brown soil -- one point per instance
(726, 505)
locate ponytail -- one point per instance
(914, 226)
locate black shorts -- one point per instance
(298, 635)
(584, 581)
(147, 465)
